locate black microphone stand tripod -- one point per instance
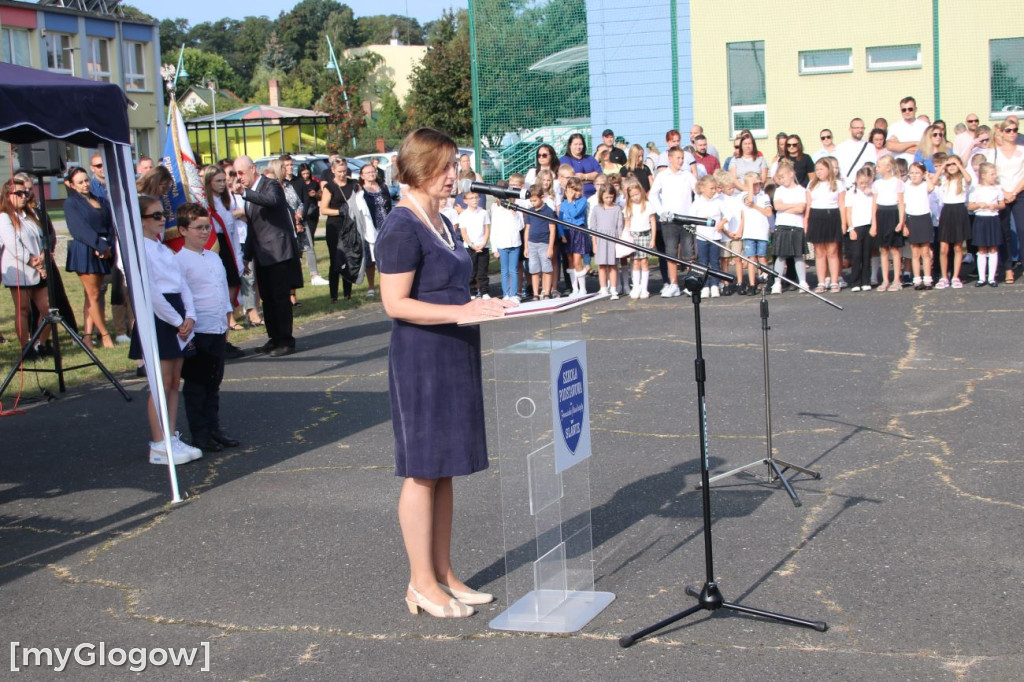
(776, 466)
(54, 318)
(709, 597)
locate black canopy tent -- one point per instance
(38, 105)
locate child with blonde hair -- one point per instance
(790, 239)
(826, 224)
(889, 221)
(954, 221)
(755, 227)
(987, 200)
(706, 205)
(641, 220)
(732, 210)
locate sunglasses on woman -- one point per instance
(156, 215)
(20, 193)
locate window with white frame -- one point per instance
(1006, 76)
(894, 57)
(826, 61)
(133, 61)
(747, 96)
(97, 59)
(60, 53)
(15, 47)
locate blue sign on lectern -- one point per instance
(571, 404)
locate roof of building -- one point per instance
(259, 111)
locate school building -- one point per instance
(88, 39)
(789, 65)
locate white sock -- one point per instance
(572, 280)
(645, 276)
(635, 280)
(982, 260)
(581, 280)
(801, 271)
(993, 261)
(780, 266)
(876, 266)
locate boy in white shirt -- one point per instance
(475, 226)
(204, 371)
(755, 228)
(732, 210)
(672, 192)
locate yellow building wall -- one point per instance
(804, 104)
(964, 37)
(399, 61)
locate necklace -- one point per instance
(442, 234)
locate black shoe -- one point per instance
(266, 348)
(281, 351)
(224, 439)
(233, 352)
(31, 355)
(993, 284)
(206, 443)
(140, 371)
(980, 283)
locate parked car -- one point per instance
(317, 163)
(488, 170)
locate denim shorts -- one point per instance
(755, 248)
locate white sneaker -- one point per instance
(318, 281)
(666, 291)
(614, 295)
(777, 286)
(705, 293)
(158, 454)
(676, 291)
(180, 448)
(486, 297)
(853, 289)
(370, 293)
(715, 292)
(123, 338)
(634, 293)
(644, 293)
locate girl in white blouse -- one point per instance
(175, 318)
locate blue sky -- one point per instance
(198, 11)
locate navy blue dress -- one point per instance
(93, 230)
(434, 377)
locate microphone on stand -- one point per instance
(680, 219)
(498, 192)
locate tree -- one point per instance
(344, 119)
(275, 59)
(132, 12)
(441, 94)
(173, 34)
(201, 65)
(376, 30)
(301, 29)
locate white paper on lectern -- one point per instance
(570, 404)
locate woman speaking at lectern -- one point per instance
(434, 369)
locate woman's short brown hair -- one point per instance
(423, 155)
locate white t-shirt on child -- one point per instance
(790, 195)
(474, 223)
(708, 208)
(755, 223)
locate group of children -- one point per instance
(888, 205)
(190, 305)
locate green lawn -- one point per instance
(315, 303)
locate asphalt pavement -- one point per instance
(286, 559)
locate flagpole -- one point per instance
(333, 64)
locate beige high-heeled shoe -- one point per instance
(453, 609)
(471, 598)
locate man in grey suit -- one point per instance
(272, 248)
